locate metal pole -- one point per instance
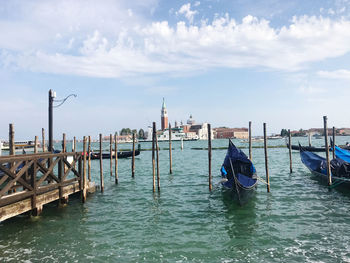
(50, 120)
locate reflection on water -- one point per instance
(300, 220)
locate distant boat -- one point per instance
(275, 137)
(307, 148)
(123, 154)
(315, 149)
(18, 145)
(238, 174)
(253, 140)
(317, 165)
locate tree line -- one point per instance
(128, 131)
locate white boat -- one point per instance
(177, 134)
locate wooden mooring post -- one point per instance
(333, 146)
(309, 136)
(209, 156)
(110, 154)
(266, 161)
(133, 156)
(116, 158)
(290, 152)
(170, 157)
(12, 139)
(154, 134)
(325, 130)
(43, 139)
(85, 183)
(182, 144)
(101, 166)
(36, 144)
(157, 152)
(89, 158)
(64, 143)
(250, 140)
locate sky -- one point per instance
(226, 62)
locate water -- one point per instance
(299, 221)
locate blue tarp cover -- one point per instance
(244, 169)
(342, 154)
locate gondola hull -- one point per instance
(121, 155)
(315, 149)
(239, 175)
(240, 194)
(316, 165)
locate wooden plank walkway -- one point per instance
(29, 181)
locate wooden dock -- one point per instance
(29, 181)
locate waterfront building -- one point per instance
(164, 117)
(226, 133)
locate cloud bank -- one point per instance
(115, 40)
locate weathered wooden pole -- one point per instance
(170, 157)
(157, 151)
(309, 139)
(133, 156)
(116, 158)
(12, 147)
(89, 158)
(250, 140)
(64, 143)
(36, 144)
(101, 166)
(333, 142)
(182, 144)
(43, 138)
(153, 155)
(290, 152)
(266, 161)
(111, 154)
(84, 191)
(11, 139)
(209, 156)
(325, 130)
(74, 146)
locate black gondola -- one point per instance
(315, 149)
(239, 174)
(124, 154)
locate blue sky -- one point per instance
(286, 63)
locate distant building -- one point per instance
(164, 117)
(201, 130)
(191, 121)
(226, 133)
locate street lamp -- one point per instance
(52, 96)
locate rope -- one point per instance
(235, 179)
(261, 180)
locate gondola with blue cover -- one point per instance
(239, 174)
(340, 169)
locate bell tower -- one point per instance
(164, 117)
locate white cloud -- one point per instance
(337, 74)
(186, 10)
(105, 41)
(309, 90)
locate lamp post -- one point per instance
(52, 96)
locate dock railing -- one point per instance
(29, 181)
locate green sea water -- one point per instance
(301, 220)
